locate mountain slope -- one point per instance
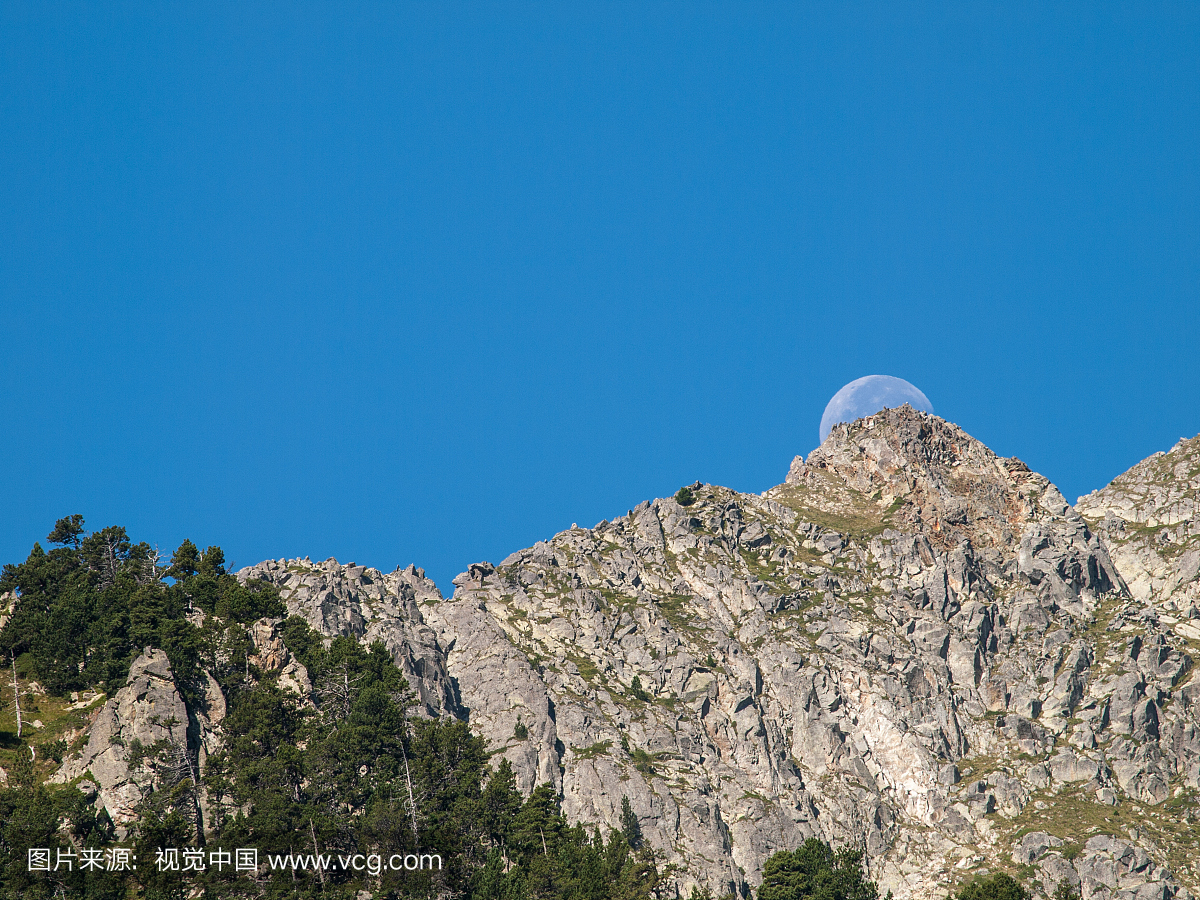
(911, 645)
(1150, 519)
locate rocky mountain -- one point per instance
(911, 645)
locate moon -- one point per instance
(868, 395)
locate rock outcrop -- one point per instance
(1150, 520)
(359, 602)
(147, 713)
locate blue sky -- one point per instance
(430, 282)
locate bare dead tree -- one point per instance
(412, 802)
(401, 699)
(16, 693)
(316, 851)
(336, 692)
(110, 563)
(153, 566)
(176, 771)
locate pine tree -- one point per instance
(630, 826)
(995, 887)
(815, 871)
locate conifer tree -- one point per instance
(630, 826)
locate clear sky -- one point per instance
(417, 282)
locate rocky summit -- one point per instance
(912, 646)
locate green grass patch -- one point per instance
(600, 748)
(972, 768)
(57, 719)
(587, 669)
(837, 507)
(1072, 814)
(674, 608)
(769, 572)
(645, 762)
(1071, 849)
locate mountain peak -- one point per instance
(931, 476)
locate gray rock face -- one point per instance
(148, 709)
(500, 687)
(271, 655)
(912, 645)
